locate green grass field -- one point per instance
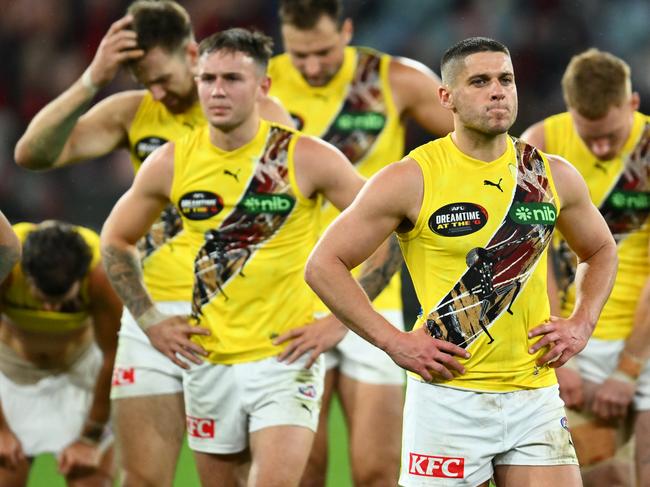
(44, 472)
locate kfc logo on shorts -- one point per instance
(200, 427)
(123, 376)
(441, 467)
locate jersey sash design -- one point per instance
(625, 208)
(497, 272)
(362, 116)
(261, 211)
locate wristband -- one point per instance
(87, 82)
(621, 376)
(149, 318)
(630, 365)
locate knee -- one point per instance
(371, 473)
(133, 478)
(609, 473)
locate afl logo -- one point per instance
(458, 219)
(200, 205)
(146, 146)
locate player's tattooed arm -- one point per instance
(378, 270)
(124, 271)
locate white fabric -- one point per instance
(453, 437)
(48, 415)
(362, 361)
(224, 403)
(140, 369)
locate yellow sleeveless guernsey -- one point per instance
(26, 311)
(477, 256)
(166, 278)
(620, 188)
(355, 113)
(251, 231)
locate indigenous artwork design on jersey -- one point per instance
(497, 272)
(362, 116)
(166, 227)
(625, 208)
(261, 211)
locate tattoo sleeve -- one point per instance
(48, 146)
(124, 271)
(378, 270)
(9, 255)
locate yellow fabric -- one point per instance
(617, 318)
(152, 126)
(461, 212)
(26, 311)
(249, 231)
(358, 117)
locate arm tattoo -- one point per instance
(47, 147)
(376, 276)
(9, 255)
(124, 271)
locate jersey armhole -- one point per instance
(427, 196)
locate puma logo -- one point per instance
(600, 166)
(233, 174)
(487, 182)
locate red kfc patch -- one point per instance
(200, 427)
(123, 376)
(433, 466)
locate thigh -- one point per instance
(149, 433)
(449, 436)
(374, 415)
(539, 476)
(642, 447)
(537, 429)
(279, 455)
(316, 469)
(222, 470)
(280, 394)
(216, 418)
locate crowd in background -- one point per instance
(46, 44)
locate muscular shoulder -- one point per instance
(409, 79)
(534, 135)
(568, 182)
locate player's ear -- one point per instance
(635, 101)
(446, 97)
(192, 52)
(347, 29)
(265, 85)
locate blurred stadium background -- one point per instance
(46, 44)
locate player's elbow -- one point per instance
(26, 158)
(314, 270)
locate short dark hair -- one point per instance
(464, 48)
(160, 23)
(252, 43)
(305, 14)
(55, 255)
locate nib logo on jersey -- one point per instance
(434, 466)
(533, 213)
(629, 200)
(200, 427)
(364, 121)
(458, 219)
(257, 203)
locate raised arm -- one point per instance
(272, 110)
(131, 217)
(415, 92)
(587, 234)
(9, 248)
(58, 135)
(106, 310)
(391, 200)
